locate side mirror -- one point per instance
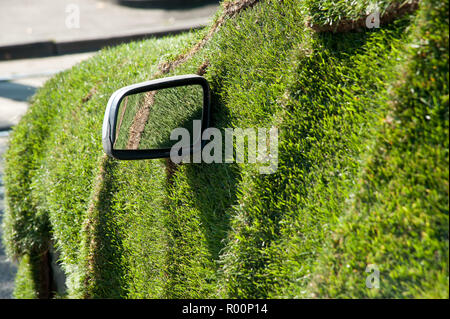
(140, 118)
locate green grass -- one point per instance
(127, 110)
(400, 206)
(362, 174)
(331, 12)
(25, 282)
(165, 115)
(175, 107)
(67, 155)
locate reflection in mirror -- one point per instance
(145, 120)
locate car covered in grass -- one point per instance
(358, 207)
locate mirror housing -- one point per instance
(112, 111)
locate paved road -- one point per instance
(19, 80)
(71, 20)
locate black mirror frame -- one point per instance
(112, 110)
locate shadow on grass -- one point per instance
(108, 247)
(214, 187)
(211, 193)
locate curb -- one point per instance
(53, 48)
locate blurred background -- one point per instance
(40, 38)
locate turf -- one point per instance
(362, 174)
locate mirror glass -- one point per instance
(146, 120)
